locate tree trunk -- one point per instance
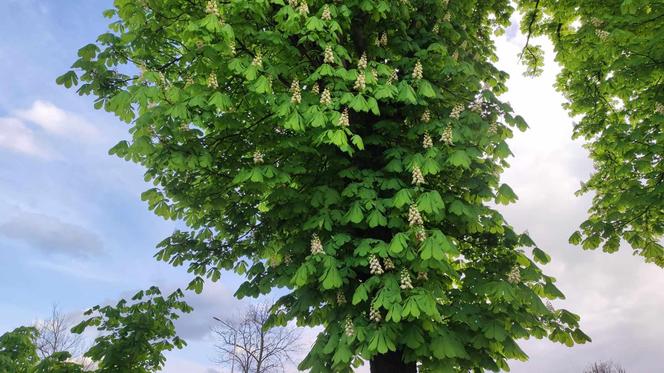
(391, 362)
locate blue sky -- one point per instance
(73, 230)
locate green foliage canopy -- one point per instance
(135, 334)
(612, 58)
(346, 151)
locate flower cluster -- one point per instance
(414, 217)
(423, 276)
(344, 120)
(327, 15)
(456, 111)
(382, 40)
(447, 17)
(388, 264)
(293, 3)
(328, 56)
(362, 63)
(349, 328)
(603, 35)
(296, 97)
(418, 71)
(514, 276)
(315, 89)
(659, 107)
(476, 106)
(405, 282)
(341, 298)
(360, 82)
(447, 136)
(303, 9)
(455, 55)
(426, 116)
(188, 81)
(288, 259)
(596, 22)
(258, 60)
(231, 47)
(326, 97)
(418, 178)
(374, 266)
(420, 234)
(212, 81)
(393, 77)
(258, 157)
(316, 245)
(493, 128)
(436, 28)
(374, 314)
(427, 142)
(212, 8)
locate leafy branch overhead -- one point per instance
(349, 152)
(612, 58)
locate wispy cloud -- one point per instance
(28, 131)
(51, 235)
(17, 137)
(56, 121)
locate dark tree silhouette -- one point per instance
(248, 344)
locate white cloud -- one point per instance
(56, 121)
(51, 235)
(17, 137)
(29, 131)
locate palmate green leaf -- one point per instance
(447, 345)
(459, 158)
(540, 256)
(505, 195)
(399, 243)
(493, 330)
(402, 198)
(355, 214)
(430, 202)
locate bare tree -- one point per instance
(605, 367)
(55, 335)
(247, 344)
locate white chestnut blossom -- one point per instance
(349, 328)
(374, 266)
(418, 71)
(514, 276)
(426, 116)
(360, 82)
(328, 56)
(427, 141)
(258, 60)
(326, 97)
(212, 81)
(341, 298)
(362, 63)
(296, 97)
(316, 245)
(258, 157)
(405, 281)
(374, 314)
(447, 136)
(456, 111)
(344, 120)
(327, 15)
(418, 178)
(414, 217)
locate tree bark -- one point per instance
(392, 362)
